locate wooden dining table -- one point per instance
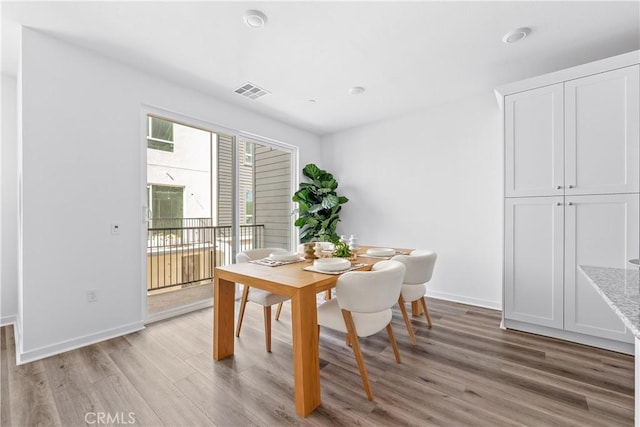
(301, 286)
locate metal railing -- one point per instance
(187, 254)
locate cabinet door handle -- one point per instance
(558, 187)
(570, 186)
(558, 203)
(570, 204)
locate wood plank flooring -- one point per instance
(465, 371)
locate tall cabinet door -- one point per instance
(534, 228)
(602, 231)
(534, 148)
(601, 133)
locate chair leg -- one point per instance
(267, 327)
(405, 316)
(351, 330)
(327, 294)
(278, 311)
(347, 340)
(394, 344)
(243, 303)
(423, 301)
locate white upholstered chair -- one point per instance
(419, 269)
(264, 298)
(362, 307)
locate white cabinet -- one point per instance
(534, 268)
(600, 230)
(601, 133)
(534, 149)
(572, 183)
(575, 137)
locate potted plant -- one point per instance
(319, 206)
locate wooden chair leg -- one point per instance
(267, 327)
(394, 344)
(405, 316)
(347, 340)
(416, 308)
(423, 301)
(243, 303)
(278, 311)
(351, 330)
(327, 294)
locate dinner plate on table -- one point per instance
(331, 264)
(381, 252)
(284, 256)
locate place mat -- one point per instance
(272, 263)
(353, 267)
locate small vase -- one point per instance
(309, 251)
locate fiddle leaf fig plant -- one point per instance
(319, 206)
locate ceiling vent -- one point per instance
(251, 91)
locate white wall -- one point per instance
(82, 170)
(9, 203)
(430, 180)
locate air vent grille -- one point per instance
(251, 91)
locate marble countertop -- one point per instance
(620, 288)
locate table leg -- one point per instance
(223, 311)
(416, 308)
(637, 381)
(306, 360)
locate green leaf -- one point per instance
(329, 201)
(312, 171)
(316, 208)
(343, 199)
(300, 221)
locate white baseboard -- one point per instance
(496, 305)
(72, 344)
(177, 311)
(8, 320)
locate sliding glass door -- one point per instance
(211, 194)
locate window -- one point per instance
(160, 135)
(166, 202)
(248, 213)
(248, 153)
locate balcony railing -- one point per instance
(184, 251)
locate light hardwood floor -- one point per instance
(464, 371)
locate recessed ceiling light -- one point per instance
(516, 35)
(255, 19)
(313, 101)
(356, 90)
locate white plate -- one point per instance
(381, 252)
(331, 264)
(283, 256)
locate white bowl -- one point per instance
(283, 256)
(381, 252)
(331, 264)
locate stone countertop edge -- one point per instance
(620, 288)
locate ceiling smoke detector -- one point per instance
(251, 91)
(356, 90)
(255, 19)
(516, 35)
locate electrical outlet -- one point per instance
(115, 228)
(92, 295)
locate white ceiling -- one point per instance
(408, 55)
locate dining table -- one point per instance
(301, 286)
